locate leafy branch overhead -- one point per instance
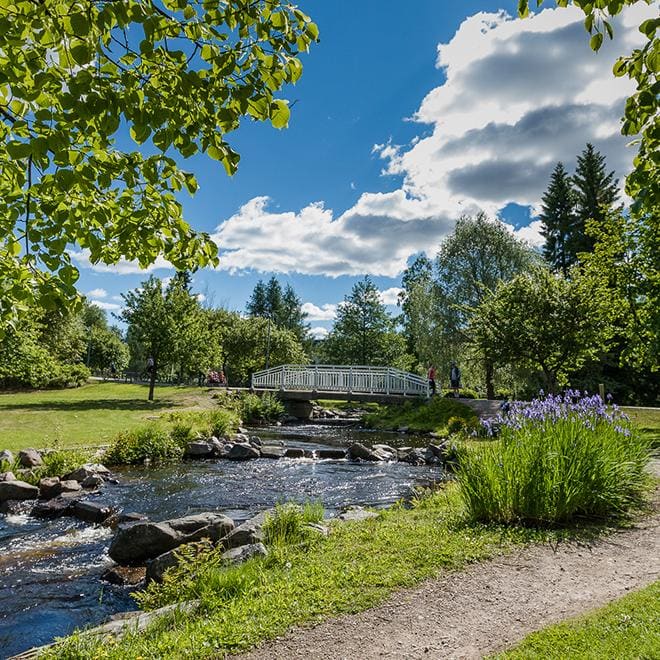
(179, 74)
(642, 111)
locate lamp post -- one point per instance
(268, 344)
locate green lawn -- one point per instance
(627, 628)
(85, 416)
(648, 421)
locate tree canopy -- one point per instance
(180, 74)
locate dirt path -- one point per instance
(487, 607)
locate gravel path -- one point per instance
(487, 607)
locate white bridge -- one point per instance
(359, 383)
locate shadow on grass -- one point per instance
(93, 404)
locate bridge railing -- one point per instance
(333, 378)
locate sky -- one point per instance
(407, 116)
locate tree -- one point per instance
(363, 330)
(257, 305)
(558, 218)
(293, 318)
(180, 75)
(274, 300)
(472, 261)
(546, 321)
(104, 345)
(596, 192)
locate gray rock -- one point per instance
(414, 457)
(30, 458)
(92, 482)
(140, 541)
(17, 490)
(321, 530)
(242, 431)
(358, 451)
(271, 452)
(294, 452)
(438, 450)
(243, 452)
(6, 456)
(15, 507)
(241, 438)
(255, 441)
(385, 448)
(156, 567)
(403, 429)
(333, 454)
(69, 486)
(91, 512)
(49, 487)
(199, 449)
(55, 508)
(7, 476)
(121, 518)
(217, 445)
(357, 513)
(244, 552)
(246, 534)
(88, 470)
(124, 575)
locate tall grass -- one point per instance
(554, 463)
(264, 408)
(288, 524)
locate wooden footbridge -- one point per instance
(349, 383)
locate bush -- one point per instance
(557, 459)
(151, 442)
(265, 408)
(219, 422)
(455, 425)
(463, 393)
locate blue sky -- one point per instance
(391, 139)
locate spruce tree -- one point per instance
(596, 192)
(558, 218)
(257, 306)
(274, 300)
(293, 318)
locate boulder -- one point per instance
(356, 513)
(199, 449)
(15, 507)
(7, 476)
(241, 438)
(91, 512)
(17, 490)
(49, 487)
(125, 575)
(69, 486)
(121, 518)
(218, 445)
(403, 429)
(55, 508)
(318, 528)
(438, 449)
(248, 533)
(385, 448)
(88, 470)
(156, 567)
(6, 456)
(243, 452)
(244, 552)
(91, 482)
(141, 541)
(414, 457)
(30, 458)
(242, 431)
(358, 451)
(255, 441)
(271, 452)
(294, 452)
(333, 454)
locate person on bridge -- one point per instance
(455, 378)
(431, 376)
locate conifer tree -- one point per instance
(258, 304)
(558, 218)
(596, 192)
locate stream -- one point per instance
(50, 569)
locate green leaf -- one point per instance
(18, 150)
(596, 41)
(81, 52)
(279, 114)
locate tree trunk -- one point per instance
(152, 382)
(490, 386)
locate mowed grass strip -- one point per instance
(648, 422)
(86, 416)
(627, 628)
(357, 567)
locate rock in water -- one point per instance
(88, 470)
(358, 451)
(243, 452)
(333, 454)
(7, 476)
(199, 449)
(17, 490)
(55, 508)
(30, 458)
(91, 512)
(49, 487)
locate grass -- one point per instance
(421, 416)
(87, 416)
(626, 628)
(355, 568)
(648, 422)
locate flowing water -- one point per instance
(50, 569)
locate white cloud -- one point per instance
(123, 267)
(518, 96)
(108, 306)
(319, 332)
(390, 296)
(97, 293)
(200, 297)
(325, 312)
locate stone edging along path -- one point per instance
(488, 607)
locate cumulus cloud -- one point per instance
(325, 312)
(517, 96)
(123, 267)
(97, 293)
(390, 296)
(319, 332)
(108, 306)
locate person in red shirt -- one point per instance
(431, 377)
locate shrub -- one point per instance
(265, 408)
(558, 458)
(455, 425)
(219, 422)
(463, 393)
(151, 442)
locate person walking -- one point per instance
(455, 378)
(431, 377)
